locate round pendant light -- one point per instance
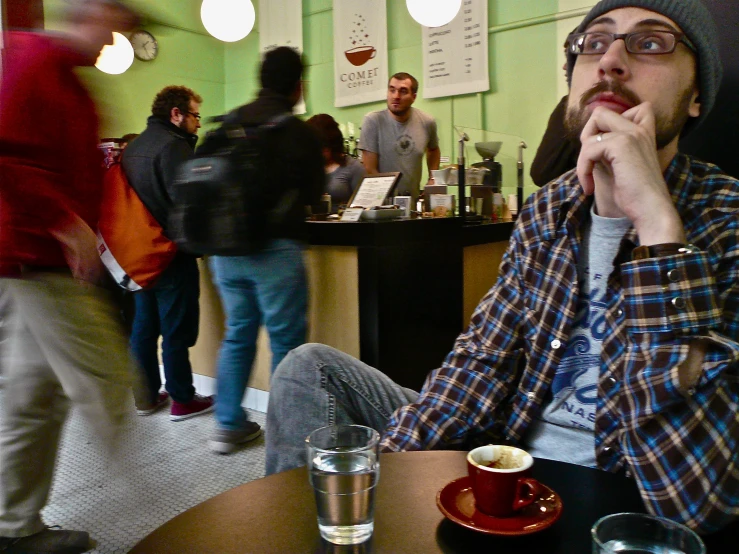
(433, 13)
(117, 57)
(228, 20)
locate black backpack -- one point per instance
(223, 205)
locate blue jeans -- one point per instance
(317, 385)
(171, 309)
(270, 287)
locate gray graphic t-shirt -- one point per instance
(400, 146)
(342, 182)
(564, 429)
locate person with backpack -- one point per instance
(267, 286)
(170, 307)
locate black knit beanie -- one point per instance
(696, 22)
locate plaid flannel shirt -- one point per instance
(680, 443)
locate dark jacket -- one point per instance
(294, 159)
(556, 154)
(151, 163)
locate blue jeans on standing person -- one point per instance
(171, 309)
(268, 287)
(317, 385)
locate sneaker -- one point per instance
(198, 405)
(48, 541)
(225, 441)
(149, 409)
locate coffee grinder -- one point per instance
(494, 174)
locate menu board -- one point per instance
(455, 55)
(373, 190)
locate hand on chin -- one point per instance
(619, 163)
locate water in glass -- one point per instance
(635, 546)
(344, 485)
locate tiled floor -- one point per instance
(162, 469)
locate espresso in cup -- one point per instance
(500, 478)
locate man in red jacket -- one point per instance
(65, 343)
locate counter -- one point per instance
(394, 294)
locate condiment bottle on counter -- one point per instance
(326, 202)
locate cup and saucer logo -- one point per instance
(362, 51)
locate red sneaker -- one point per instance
(198, 405)
(149, 409)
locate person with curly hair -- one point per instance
(170, 308)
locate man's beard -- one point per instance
(398, 111)
(667, 126)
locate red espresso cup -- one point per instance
(500, 477)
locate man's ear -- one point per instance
(175, 116)
(694, 108)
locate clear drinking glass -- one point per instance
(344, 468)
(631, 533)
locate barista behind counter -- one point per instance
(343, 173)
(396, 139)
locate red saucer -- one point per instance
(456, 502)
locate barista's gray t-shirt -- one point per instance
(565, 427)
(400, 146)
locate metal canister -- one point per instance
(326, 202)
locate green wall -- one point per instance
(188, 56)
(524, 55)
(524, 70)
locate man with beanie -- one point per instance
(611, 338)
(270, 286)
(65, 345)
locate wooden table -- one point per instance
(277, 514)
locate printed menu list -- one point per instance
(455, 56)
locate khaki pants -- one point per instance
(65, 344)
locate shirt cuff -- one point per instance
(670, 294)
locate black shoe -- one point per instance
(48, 541)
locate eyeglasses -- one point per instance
(195, 115)
(641, 42)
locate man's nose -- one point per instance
(615, 62)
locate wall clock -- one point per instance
(145, 46)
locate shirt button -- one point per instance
(691, 391)
(674, 275)
(678, 302)
(531, 395)
(607, 449)
(619, 312)
(612, 380)
(556, 344)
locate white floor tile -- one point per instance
(163, 468)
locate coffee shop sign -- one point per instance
(358, 79)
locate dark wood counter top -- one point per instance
(375, 233)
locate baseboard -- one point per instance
(254, 399)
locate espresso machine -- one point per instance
(494, 174)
